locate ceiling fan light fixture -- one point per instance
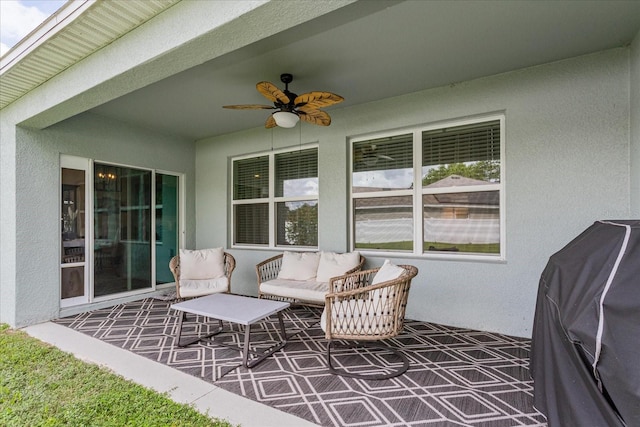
(285, 119)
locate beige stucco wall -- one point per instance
(566, 159)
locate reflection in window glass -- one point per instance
(72, 280)
(122, 237)
(384, 223)
(383, 164)
(297, 173)
(462, 222)
(451, 172)
(73, 215)
(73, 229)
(297, 223)
(461, 155)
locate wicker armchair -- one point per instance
(229, 266)
(268, 270)
(357, 310)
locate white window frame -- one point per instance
(271, 200)
(418, 191)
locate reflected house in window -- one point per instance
(451, 219)
(465, 218)
(383, 222)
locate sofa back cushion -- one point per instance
(333, 264)
(201, 264)
(299, 265)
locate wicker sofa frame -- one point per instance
(269, 269)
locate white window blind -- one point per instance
(461, 144)
(282, 211)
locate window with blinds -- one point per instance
(457, 188)
(277, 212)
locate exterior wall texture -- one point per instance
(36, 284)
(635, 127)
(566, 158)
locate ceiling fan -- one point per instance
(369, 155)
(292, 107)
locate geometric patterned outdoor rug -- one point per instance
(457, 377)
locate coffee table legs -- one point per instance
(196, 339)
(261, 355)
(247, 341)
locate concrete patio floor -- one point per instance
(183, 388)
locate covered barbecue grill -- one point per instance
(585, 355)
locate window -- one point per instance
(431, 190)
(275, 199)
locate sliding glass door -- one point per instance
(122, 237)
(133, 216)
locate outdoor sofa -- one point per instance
(303, 277)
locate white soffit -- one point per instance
(78, 29)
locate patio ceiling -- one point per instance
(366, 53)
(374, 50)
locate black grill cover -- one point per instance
(599, 268)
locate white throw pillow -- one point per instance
(388, 271)
(333, 264)
(299, 265)
(201, 264)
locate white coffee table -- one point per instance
(236, 309)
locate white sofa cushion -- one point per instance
(190, 288)
(332, 264)
(299, 265)
(306, 290)
(201, 264)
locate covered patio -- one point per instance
(457, 376)
(114, 143)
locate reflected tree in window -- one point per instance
(300, 223)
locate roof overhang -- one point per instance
(78, 29)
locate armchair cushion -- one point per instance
(190, 288)
(388, 271)
(201, 264)
(299, 265)
(332, 264)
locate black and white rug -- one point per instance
(457, 377)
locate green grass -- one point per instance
(41, 385)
